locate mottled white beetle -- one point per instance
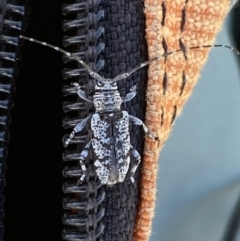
(110, 133)
(109, 124)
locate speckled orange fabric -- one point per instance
(170, 83)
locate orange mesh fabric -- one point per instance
(171, 80)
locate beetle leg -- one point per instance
(81, 93)
(137, 157)
(83, 156)
(130, 95)
(139, 122)
(76, 129)
(66, 143)
(83, 96)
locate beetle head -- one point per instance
(107, 97)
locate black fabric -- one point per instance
(33, 207)
(125, 48)
(12, 22)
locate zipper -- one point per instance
(82, 204)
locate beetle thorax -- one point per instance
(107, 97)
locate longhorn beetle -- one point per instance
(110, 140)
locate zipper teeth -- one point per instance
(82, 204)
(11, 24)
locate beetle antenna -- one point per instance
(90, 71)
(125, 75)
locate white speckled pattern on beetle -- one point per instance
(111, 146)
(110, 140)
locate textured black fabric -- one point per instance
(125, 48)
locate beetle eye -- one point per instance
(114, 83)
(100, 84)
